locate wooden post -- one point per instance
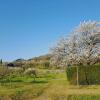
(77, 76)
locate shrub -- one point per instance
(4, 71)
(31, 72)
(88, 75)
(7, 74)
(46, 64)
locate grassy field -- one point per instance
(48, 86)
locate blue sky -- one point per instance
(29, 28)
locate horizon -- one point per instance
(28, 28)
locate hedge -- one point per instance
(88, 75)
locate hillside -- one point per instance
(43, 60)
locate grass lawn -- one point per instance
(51, 86)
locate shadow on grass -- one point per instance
(83, 97)
(8, 81)
(20, 81)
(39, 81)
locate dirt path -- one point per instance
(59, 90)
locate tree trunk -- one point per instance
(77, 76)
(86, 76)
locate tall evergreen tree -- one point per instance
(1, 62)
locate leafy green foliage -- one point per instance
(87, 74)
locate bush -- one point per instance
(88, 75)
(31, 72)
(4, 72)
(46, 64)
(7, 74)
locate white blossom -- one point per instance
(82, 47)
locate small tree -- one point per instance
(31, 72)
(1, 62)
(4, 72)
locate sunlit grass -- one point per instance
(83, 97)
(49, 86)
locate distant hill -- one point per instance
(20, 60)
(43, 60)
(40, 58)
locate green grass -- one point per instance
(83, 97)
(47, 86)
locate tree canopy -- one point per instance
(82, 47)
